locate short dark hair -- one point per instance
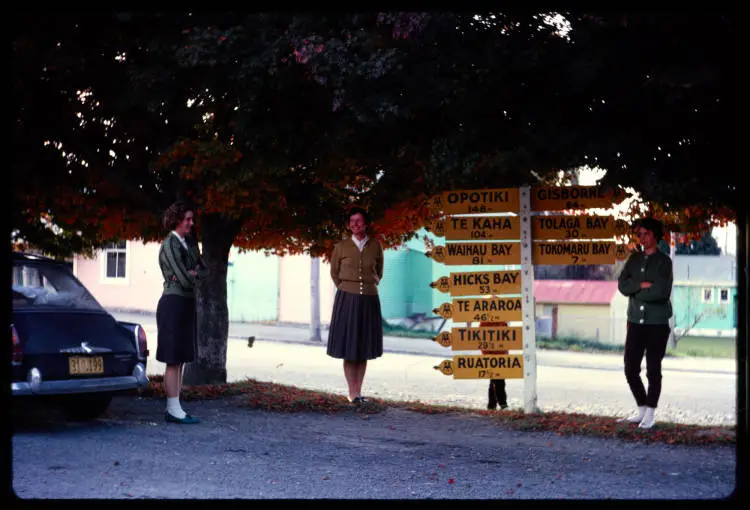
(651, 224)
(174, 214)
(357, 210)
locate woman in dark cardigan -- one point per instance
(181, 265)
(356, 331)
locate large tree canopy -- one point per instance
(273, 124)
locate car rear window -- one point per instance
(37, 285)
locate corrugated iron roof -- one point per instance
(589, 292)
(708, 268)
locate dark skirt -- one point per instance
(356, 331)
(176, 329)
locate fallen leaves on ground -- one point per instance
(279, 398)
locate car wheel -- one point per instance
(86, 407)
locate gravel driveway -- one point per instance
(398, 454)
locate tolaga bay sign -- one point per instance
(494, 309)
(477, 254)
(576, 227)
(485, 338)
(479, 283)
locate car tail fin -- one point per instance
(16, 352)
(142, 342)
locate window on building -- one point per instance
(723, 295)
(115, 257)
(708, 295)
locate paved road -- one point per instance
(694, 390)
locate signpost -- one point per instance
(479, 283)
(523, 239)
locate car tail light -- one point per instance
(16, 352)
(142, 342)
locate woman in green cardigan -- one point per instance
(182, 267)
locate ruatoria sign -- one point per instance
(477, 254)
(478, 201)
(479, 283)
(502, 338)
(495, 366)
(466, 228)
(558, 198)
(494, 309)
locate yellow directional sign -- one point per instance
(498, 253)
(490, 366)
(477, 201)
(485, 338)
(576, 227)
(558, 198)
(574, 252)
(479, 283)
(493, 309)
(465, 228)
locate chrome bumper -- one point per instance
(36, 386)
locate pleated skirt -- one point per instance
(356, 330)
(176, 324)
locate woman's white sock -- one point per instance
(174, 408)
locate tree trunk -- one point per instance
(315, 299)
(217, 234)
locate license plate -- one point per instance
(86, 365)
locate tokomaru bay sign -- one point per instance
(492, 309)
(574, 252)
(503, 338)
(489, 366)
(479, 283)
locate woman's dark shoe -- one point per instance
(187, 420)
(503, 405)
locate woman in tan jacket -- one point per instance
(356, 331)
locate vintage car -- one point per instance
(66, 348)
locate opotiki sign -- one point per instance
(507, 366)
(574, 252)
(478, 201)
(576, 227)
(477, 254)
(494, 309)
(479, 283)
(485, 338)
(465, 228)
(558, 198)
